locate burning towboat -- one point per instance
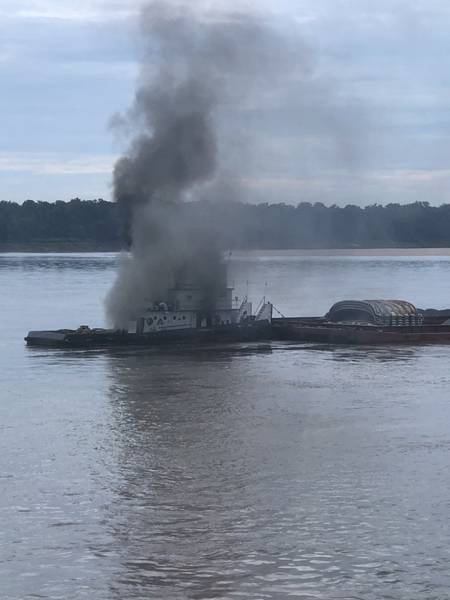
(187, 314)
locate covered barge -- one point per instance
(368, 322)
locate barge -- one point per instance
(368, 322)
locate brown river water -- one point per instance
(261, 471)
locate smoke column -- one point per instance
(195, 65)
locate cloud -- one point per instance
(42, 164)
(109, 10)
(374, 112)
(65, 10)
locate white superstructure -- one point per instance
(187, 308)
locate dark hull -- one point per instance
(320, 331)
(315, 330)
(72, 339)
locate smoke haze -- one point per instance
(181, 124)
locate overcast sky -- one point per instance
(367, 121)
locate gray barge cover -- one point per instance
(378, 312)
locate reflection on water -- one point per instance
(225, 491)
(243, 471)
(354, 353)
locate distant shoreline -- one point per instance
(58, 247)
(97, 226)
(413, 251)
(92, 247)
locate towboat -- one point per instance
(184, 316)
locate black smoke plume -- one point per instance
(196, 68)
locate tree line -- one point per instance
(239, 225)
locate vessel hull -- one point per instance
(73, 339)
(318, 331)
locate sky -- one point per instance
(367, 121)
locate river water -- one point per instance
(263, 471)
